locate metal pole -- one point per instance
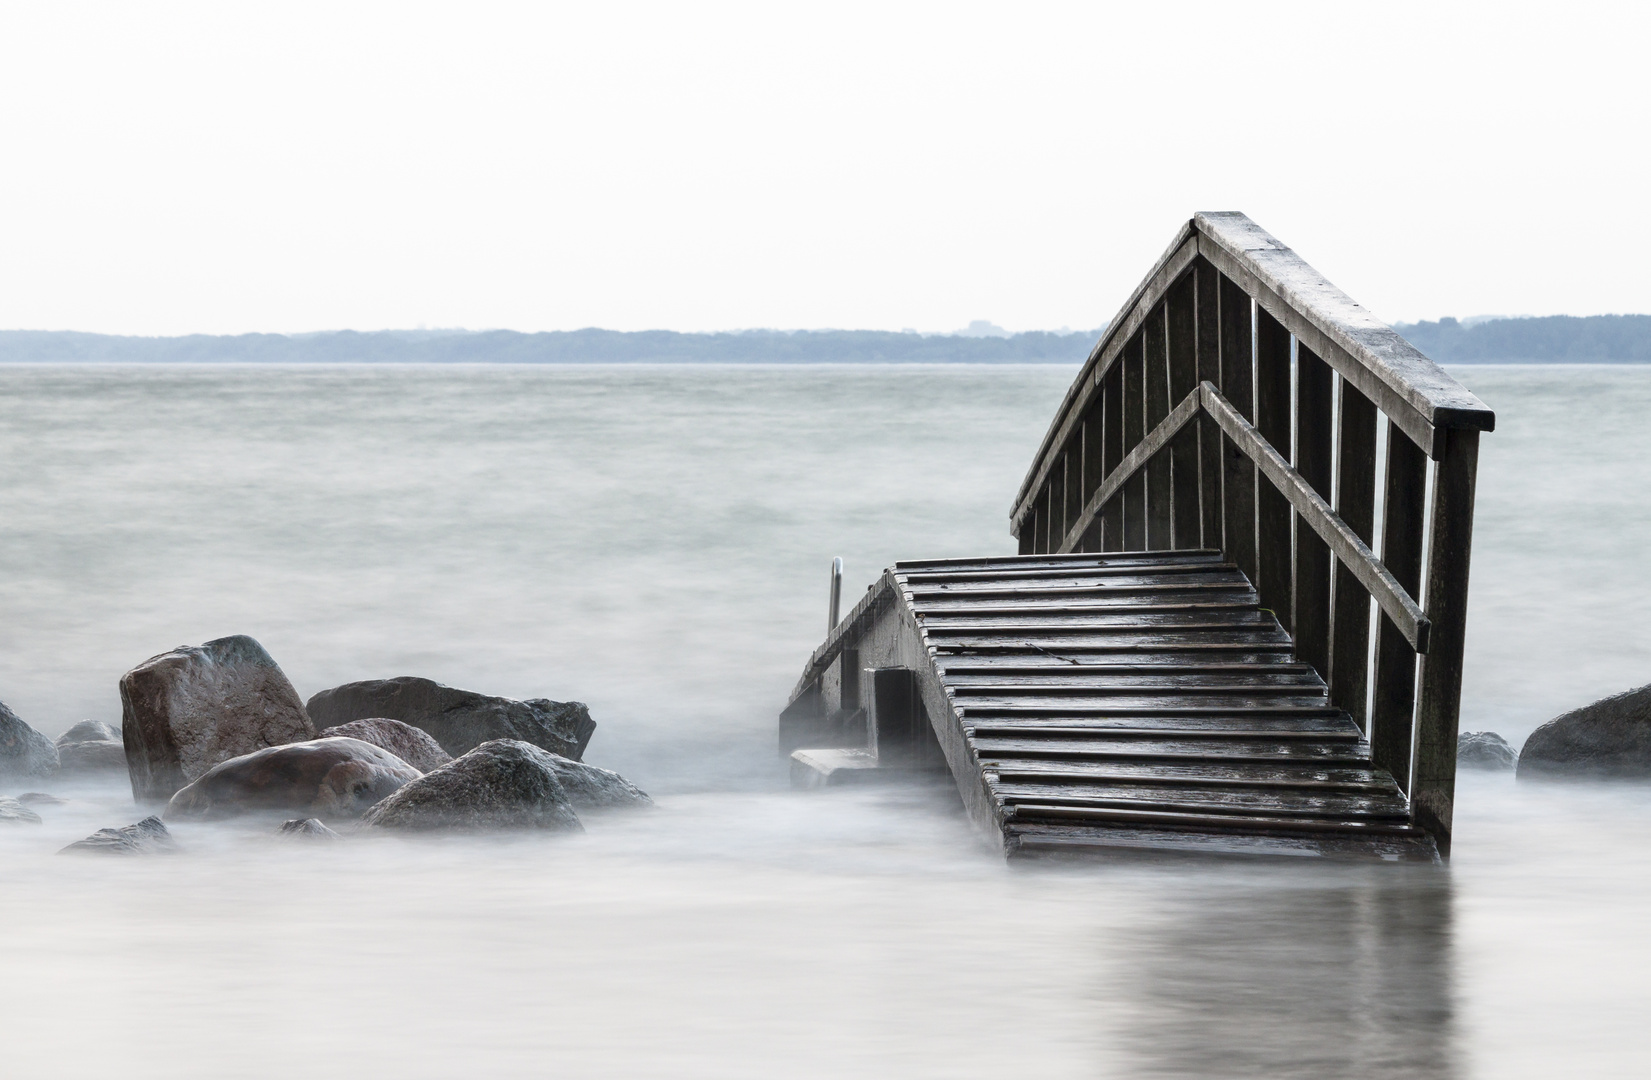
(836, 593)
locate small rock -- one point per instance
(23, 750)
(39, 798)
(405, 741)
(190, 709)
(13, 812)
(1610, 739)
(1484, 750)
(337, 777)
(501, 784)
(460, 720)
(307, 829)
(145, 837)
(590, 788)
(91, 746)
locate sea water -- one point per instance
(655, 541)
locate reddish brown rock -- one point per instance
(199, 705)
(405, 741)
(327, 778)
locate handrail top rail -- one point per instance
(1415, 392)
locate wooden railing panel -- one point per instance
(1315, 415)
(1274, 565)
(1238, 386)
(1349, 677)
(1155, 385)
(1135, 491)
(1208, 345)
(1112, 521)
(1393, 703)
(1182, 344)
(1094, 464)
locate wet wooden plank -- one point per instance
(1155, 386)
(1181, 344)
(1174, 750)
(1360, 806)
(1153, 677)
(1207, 311)
(1315, 424)
(1133, 561)
(1238, 386)
(1301, 777)
(1133, 364)
(1275, 582)
(1349, 675)
(1249, 823)
(1112, 515)
(1394, 696)
(1121, 589)
(1025, 840)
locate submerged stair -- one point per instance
(1119, 701)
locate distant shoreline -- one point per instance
(1598, 339)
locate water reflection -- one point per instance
(1336, 972)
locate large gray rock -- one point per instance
(1610, 739)
(460, 720)
(198, 705)
(91, 746)
(332, 778)
(146, 837)
(23, 750)
(405, 741)
(1484, 750)
(502, 784)
(13, 812)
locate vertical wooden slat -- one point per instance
(1394, 700)
(1113, 516)
(1181, 328)
(1208, 316)
(1027, 540)
(1156, 388)
(1315, 393)
(1238, 386)
(1073, 496)
(1094, 464)
(1272, 419)
(1133, 361)
(1433, 795)
(1356, 505)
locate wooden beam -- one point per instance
(1274, 566)
(1349, 676)
(1315, 423)
(1238, 384)
(1393, 701)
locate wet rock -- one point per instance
(501, 784)
(333, 778)
(405, 741)
(306, 829)
(23, 750)
(91, 746)
(590, 788)
(459, 720)
(1484, 750)
(1610, 739)
(13, 812)
(39, 798)
(147, 837)
(190, 709)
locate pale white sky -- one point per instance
(172, 168)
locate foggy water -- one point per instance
(655, 541)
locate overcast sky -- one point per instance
(285, 167)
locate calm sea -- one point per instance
(655, 541)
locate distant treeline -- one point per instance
(574, 346)
(1595, 338)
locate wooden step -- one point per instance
(1208, 822)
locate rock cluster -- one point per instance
(13, 812)
(144, 837)
(23, 750)
(1610, 739)
(460, 720)
(190, 709)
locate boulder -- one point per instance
(1610, 739)
(306, 829)
(590, 788)
(91, 746)
(146, 837)
(23, 750)
(501, 784)
(405, 741)
(460, 720)
(1484, 750)
(336, 777)
(39, 798)
(13, 812)
(190, 709)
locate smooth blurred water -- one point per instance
(655, 541)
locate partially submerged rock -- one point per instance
(91, 746)
(146, 837)
(306, 829)
(590, 788)
(190, 709)
(335, 778)
(501, 784)
(39, 798)
(13, 812)
(405, 741)
(23, 750)
(1484, 750)
(460, 720)
(1610, 739)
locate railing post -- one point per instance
(1315, 408)
(1155, 385)
(1181, 328)
(1349, 675)
(1133, 362)
(1094, 466)
(1112, 520)
(1238, 386)
(1393, 713)
(1450, 543)
(1272, 419)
